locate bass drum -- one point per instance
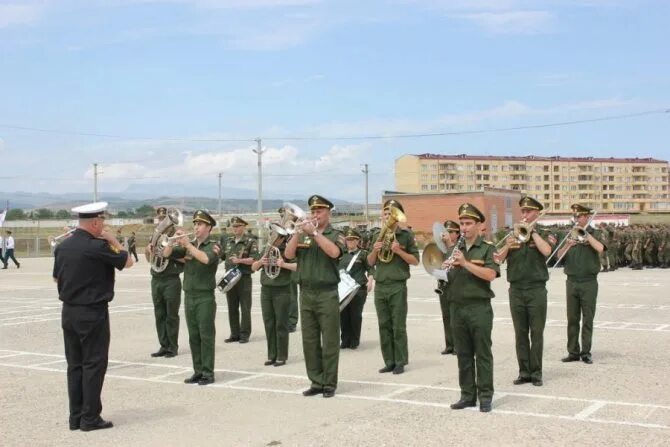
(229, 279)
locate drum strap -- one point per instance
(351, 263)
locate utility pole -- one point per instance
(220, 175)
(259, 150)
(367, 214)
(95, 182)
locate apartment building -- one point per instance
(606, 184)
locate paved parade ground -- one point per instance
(623, 398)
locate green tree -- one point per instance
(44, 213)
(15, 214)
(62, 214)
(122, 214)
(145, 211)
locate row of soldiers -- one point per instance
(636, 246)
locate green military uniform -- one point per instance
(351, 317)
(527, 274)
(199, 303)
(318, 277)
(664, 248)
(604, 256)
(472, 317)
(443, 293)
(275, 303)
(166, 296)
(582, 265)
(239, 297)
(293, 309)
(391, 298)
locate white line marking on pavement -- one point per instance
(170, 374)
(399, 391)
(588, 411)
(583, 415)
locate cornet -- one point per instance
(171, 241)
(295, 218)
(55, 240)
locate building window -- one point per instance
(424, 187)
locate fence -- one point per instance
(31, 247)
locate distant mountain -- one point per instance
(236, 201)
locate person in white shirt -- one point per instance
(9, 250)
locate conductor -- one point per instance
(84, 266)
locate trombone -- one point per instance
(522, 231)
(577, 234)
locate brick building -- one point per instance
(500, 206)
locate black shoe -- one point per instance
(74, 425)
(311, 391)
(353, 346)
(193, 379)
(160, 353)
(4, 268)
(485, 406)
(448, 351)
(587, 359)
(206, 381)
(387, 369)
(399, 369)
(537, 382)
(570, 358)
(99, 425)
(328, 392)
(463, 404)
(521, 380)
(231, 339)
(169, 355)
(269, 362)
(344, 345)
(18, 266)
(280, 363)
(244, 340)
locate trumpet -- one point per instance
(55, 240)
(295, 218)
(171, 241)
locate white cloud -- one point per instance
(497, 16)
(511, 22)
(272, 37)
(457, 121)
(20, 13)
(115, 171)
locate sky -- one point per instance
(176, 91)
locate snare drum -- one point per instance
(230, 278)
(346, 289)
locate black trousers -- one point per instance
(86, 335)
(351, 319)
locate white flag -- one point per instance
(2, 217)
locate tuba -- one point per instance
(165, 229)
(387, 234)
